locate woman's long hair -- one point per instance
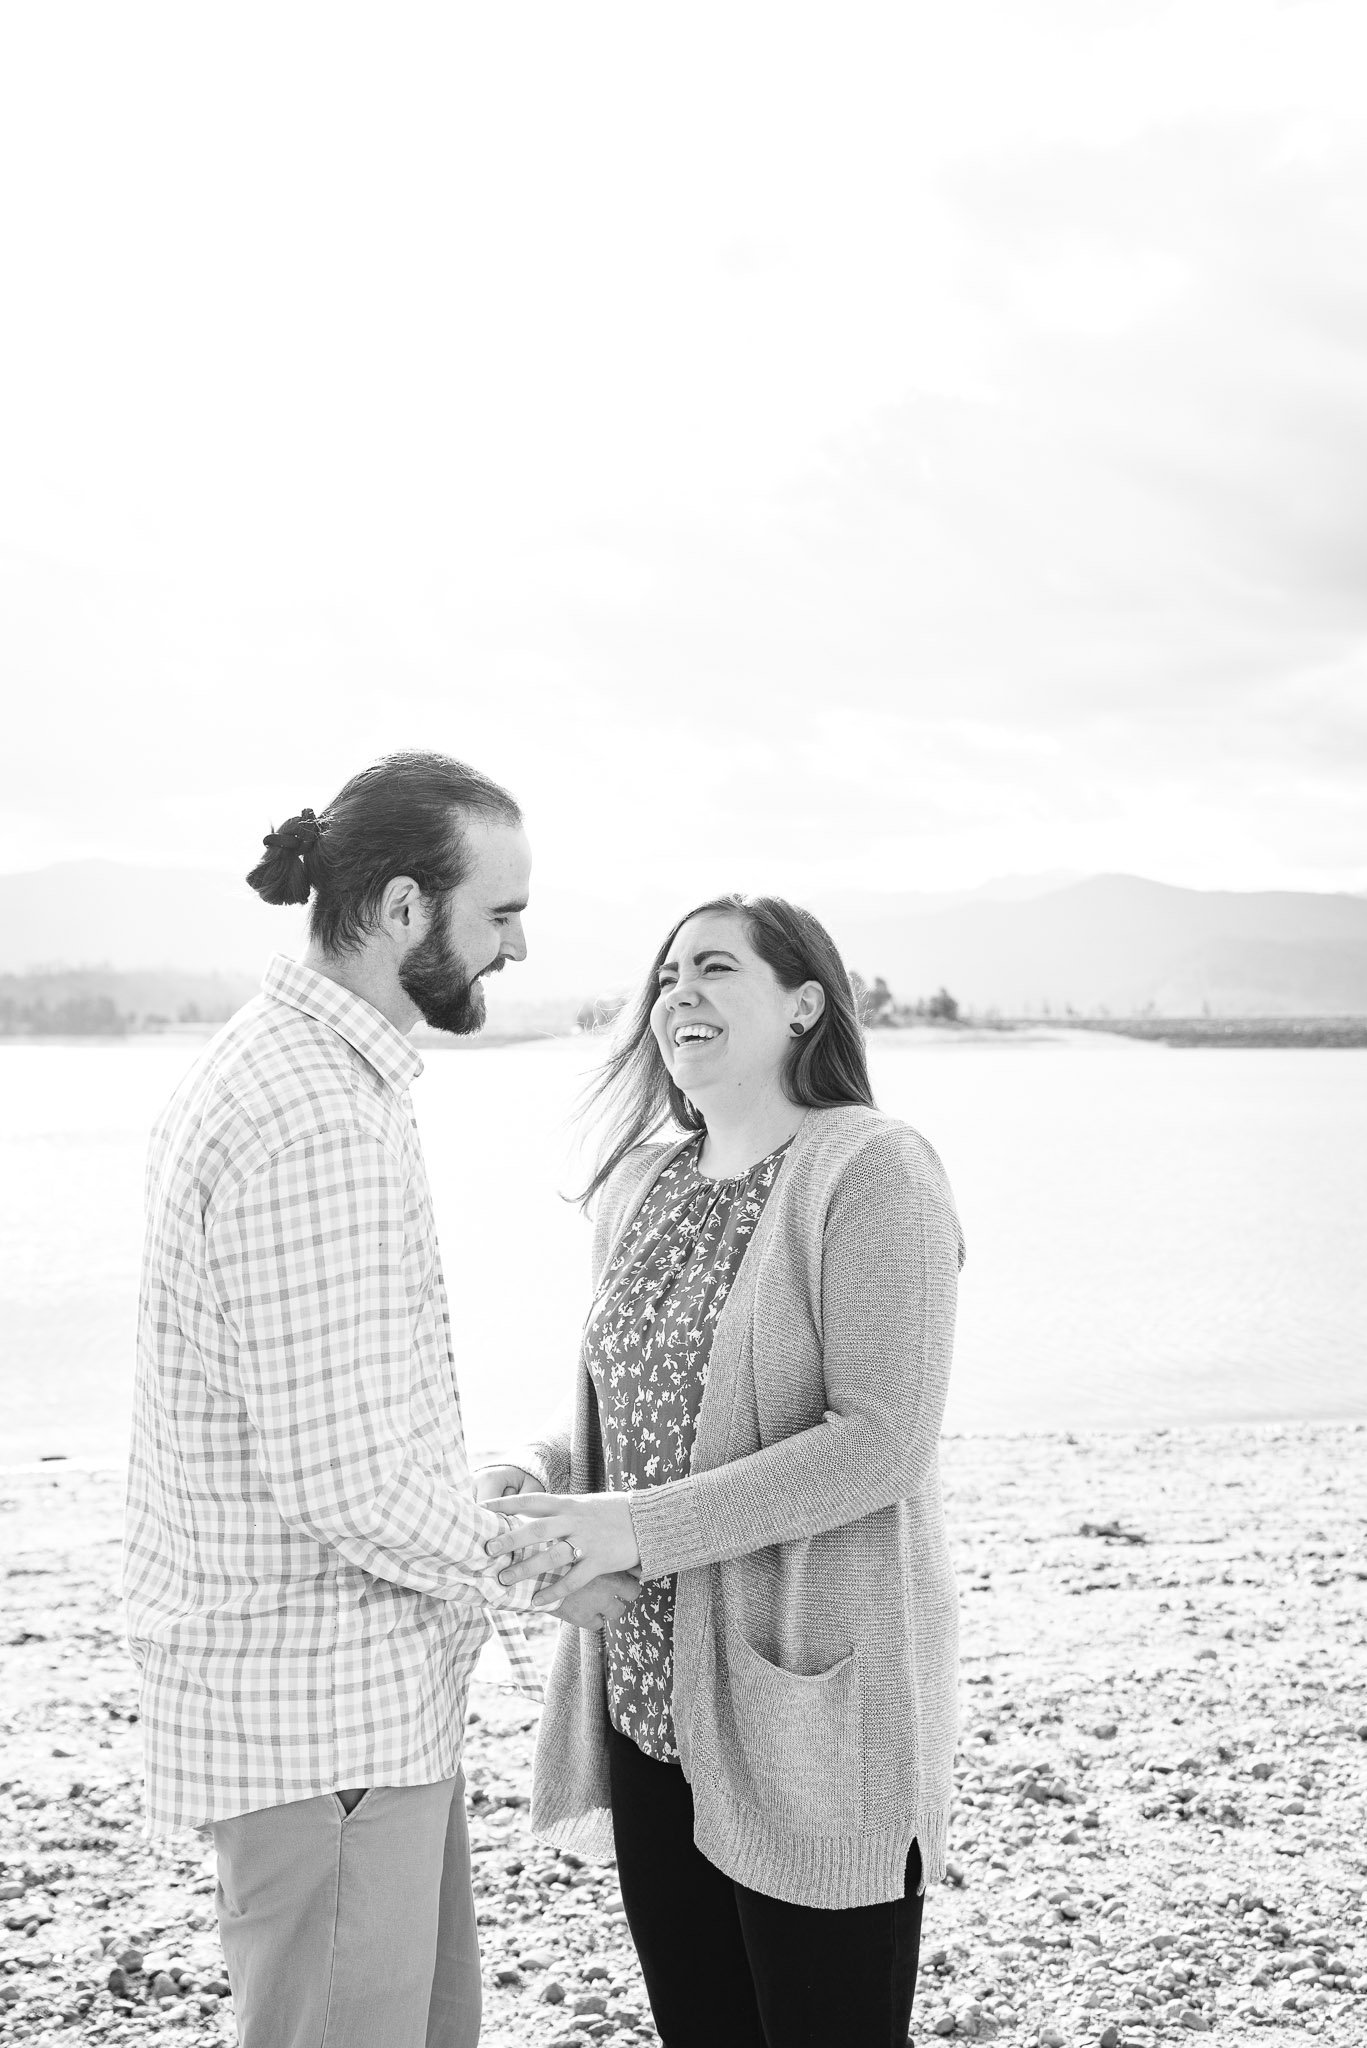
(634, 1093)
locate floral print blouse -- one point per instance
(647, 1343)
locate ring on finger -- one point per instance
(576, 1554)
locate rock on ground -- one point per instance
(1159, 1829)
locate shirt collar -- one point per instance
(358, 1022)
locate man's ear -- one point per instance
(401, 906)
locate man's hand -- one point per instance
(601, 1601)
(497, 1481)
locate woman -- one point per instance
(765, 1736)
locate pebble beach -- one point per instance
(1160, 1826)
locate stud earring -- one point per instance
(798, 1030)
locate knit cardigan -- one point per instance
(816, 1625)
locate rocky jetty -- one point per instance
(1160, 1827)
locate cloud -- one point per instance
(932, 448)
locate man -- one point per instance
(305, 1568)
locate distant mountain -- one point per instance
(835, 909)
(103, 913)
(1019, 945)
(1123, 944)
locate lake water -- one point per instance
(1155, 1236)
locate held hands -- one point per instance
(601, 1601)
(496, 1481)
(596, 1603)
(590, 1533)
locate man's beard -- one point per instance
(436, 983)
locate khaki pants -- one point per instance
(352, 1929)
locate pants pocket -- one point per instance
(799, 1740)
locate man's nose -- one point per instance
(515, 941)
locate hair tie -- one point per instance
(297, 835)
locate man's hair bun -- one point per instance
(404, 815)
(282, 875)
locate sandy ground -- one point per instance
(1160, 1825)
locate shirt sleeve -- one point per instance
(889, 1281)
(307, 1263)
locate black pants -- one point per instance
(726, 1967)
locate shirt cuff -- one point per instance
(507, 1599)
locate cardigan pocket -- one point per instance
(798, 1755)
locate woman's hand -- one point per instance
(600, 1602)
(583, 1536)
(496, 1481)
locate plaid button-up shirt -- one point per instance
(304, 1570)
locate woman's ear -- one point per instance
(811, 1002)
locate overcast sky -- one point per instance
(804, 447)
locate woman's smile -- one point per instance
(693, 1034)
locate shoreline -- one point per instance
(1203, 1034)
(1213, 1034)
(1159, 1819)
(51, 1463)
(200, 1034)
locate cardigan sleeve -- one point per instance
(546, 1456)
(890, 1259)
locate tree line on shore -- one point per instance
(878, 1008)
(81, 1004)
(102, 1003)
(96, 1003)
